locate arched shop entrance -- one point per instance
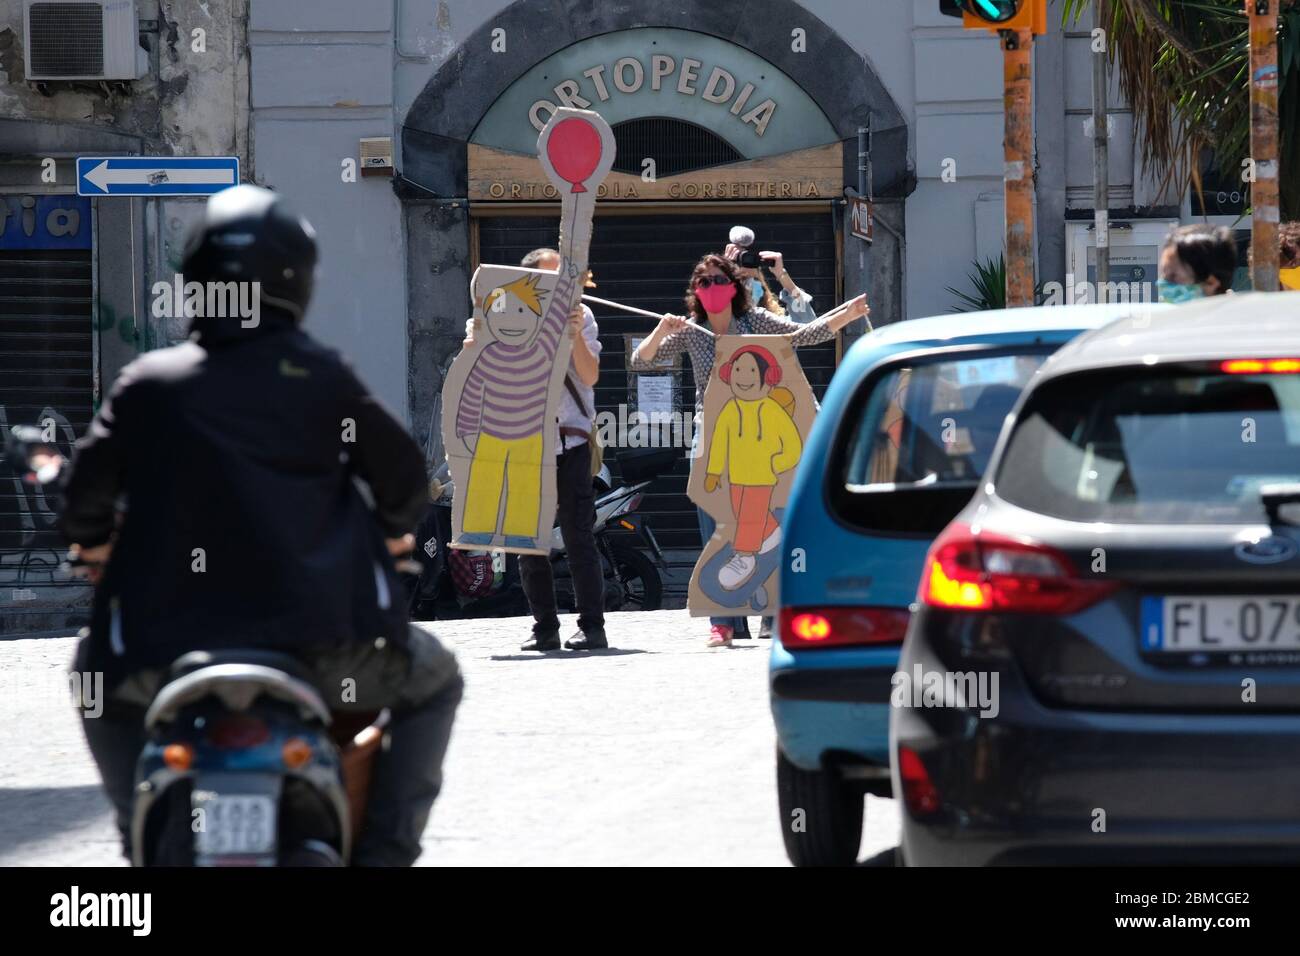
(717, 123)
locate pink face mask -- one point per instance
(715, 298)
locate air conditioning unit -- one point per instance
(82, 40)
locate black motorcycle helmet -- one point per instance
(250, 234)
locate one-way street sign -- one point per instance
(155, 175)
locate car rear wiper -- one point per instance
(930, 482)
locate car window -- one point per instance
(1154, 446)
(924, 427)
(936, 423)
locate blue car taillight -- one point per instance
(809, 627)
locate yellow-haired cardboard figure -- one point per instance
(503, 403)
(502, 393)
(758, 407)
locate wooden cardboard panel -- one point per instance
(758, 411)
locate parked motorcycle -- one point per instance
(244, 764)
(456, 583)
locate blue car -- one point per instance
(905, 432)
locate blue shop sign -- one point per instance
(44, 222)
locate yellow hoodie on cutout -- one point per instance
(755, 441)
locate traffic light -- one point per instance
(998, 14)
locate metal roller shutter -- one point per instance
(645, 261)
(46, 354)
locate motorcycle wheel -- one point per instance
(643, 589)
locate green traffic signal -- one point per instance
(993, 11)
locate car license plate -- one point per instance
(1205, 624)
(234, 824)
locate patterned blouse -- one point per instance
(699, 342)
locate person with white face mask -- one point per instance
(790, 301)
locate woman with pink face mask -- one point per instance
(719, 303)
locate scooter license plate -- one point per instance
(233, 825)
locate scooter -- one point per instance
(244, 763)
(455, 583)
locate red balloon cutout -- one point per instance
(574, 151)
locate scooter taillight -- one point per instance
(238, 732)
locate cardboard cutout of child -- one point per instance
(503, 404)
(758, 407)
(502, 393)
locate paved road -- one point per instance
(659, 752)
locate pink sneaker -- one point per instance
(719, 636)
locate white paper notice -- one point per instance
(654, 393)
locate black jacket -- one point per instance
(233, 457)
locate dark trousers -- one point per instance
(420, 684)
(576, 512)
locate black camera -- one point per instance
(749, 259)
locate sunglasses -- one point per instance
(703, 282)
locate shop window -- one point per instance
(675, 146)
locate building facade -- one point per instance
(725, 113)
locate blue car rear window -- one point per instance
(918, 436)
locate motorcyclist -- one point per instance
(242, 487)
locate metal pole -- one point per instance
(863, 133)
(864, 190)
(1101, 160)
(1266, 213)
(1018, 147)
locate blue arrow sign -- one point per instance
(155, 175)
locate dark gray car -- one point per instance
(1104, 662)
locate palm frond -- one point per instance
(990, 283)
(1183, 66)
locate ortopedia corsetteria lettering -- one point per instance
(686, 76)
(798, 189)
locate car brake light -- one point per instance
(992, 572)
(805, 627)
(1274, 366)
(238, 732)
(920, 795)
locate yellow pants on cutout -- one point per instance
(512, 466)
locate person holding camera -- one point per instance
(790, 301)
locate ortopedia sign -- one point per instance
(661, 72)
(155, 175)
(806, 174)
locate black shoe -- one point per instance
(587, 641)
(546, 641)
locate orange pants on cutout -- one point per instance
(751, 504)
